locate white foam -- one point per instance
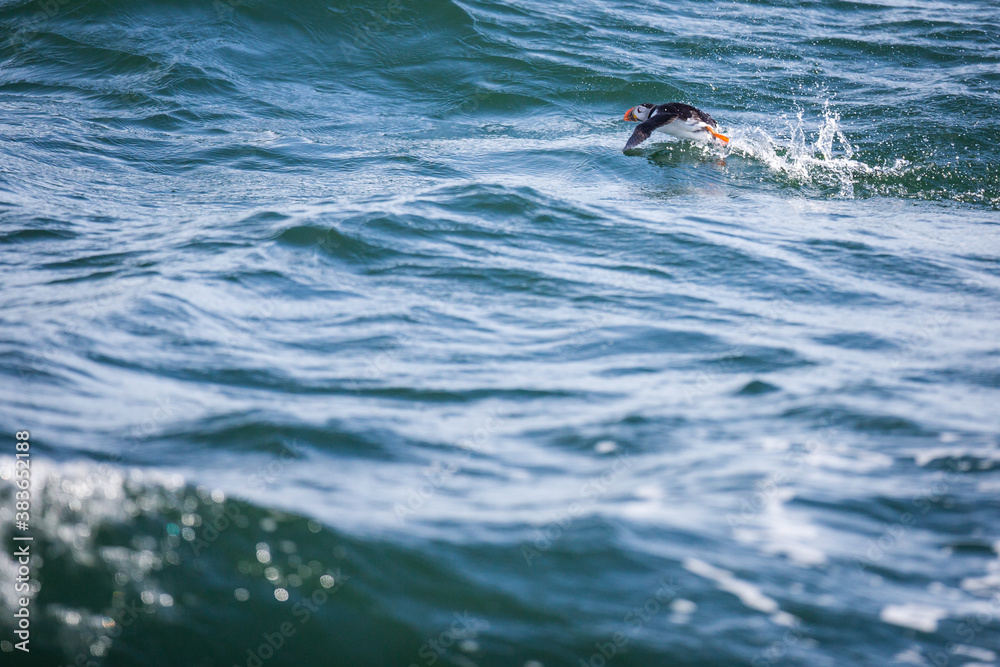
(915, 616)
(748, 594)
(926, 456)
(857, 461)
(984, 585)
(783, 532)
(770, 444)
(988, 486)
(649, 492)
(605, 447)
(910, 656)
(974, 652)
(682, 606)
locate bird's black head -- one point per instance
(640, 113)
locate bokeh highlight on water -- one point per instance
(346, 333)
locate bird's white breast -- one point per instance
(687, 129)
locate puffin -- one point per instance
(674, 118)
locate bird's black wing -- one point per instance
(645, 129)
(687, 112)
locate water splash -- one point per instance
(827, 161)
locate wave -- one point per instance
(179, 87)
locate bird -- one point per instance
(674, 118)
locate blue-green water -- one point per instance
(346, 334)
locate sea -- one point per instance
(346, 334)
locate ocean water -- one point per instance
(345, 333)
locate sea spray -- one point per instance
(826, 161)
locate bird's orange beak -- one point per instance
(721, 137)
(629, 115)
